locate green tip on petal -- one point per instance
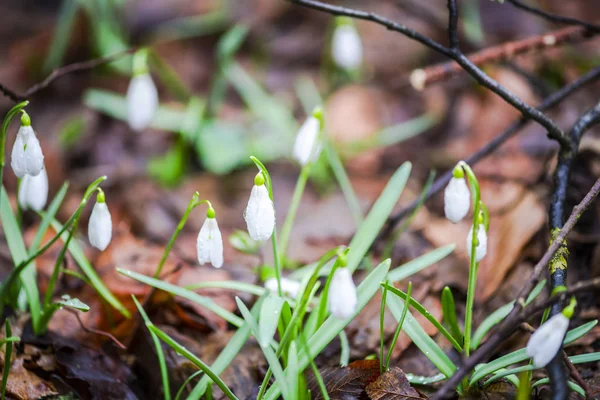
(259, 179)
(458, 172)
(210, 213)
(342, 259)
(318, 114)
(100, 197)
(341, 21)
(25, 119)
(140, 62)
(570, 309)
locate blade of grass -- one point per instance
(449, 313)
(269, 318)
(7, 356)
(386, 366)
(179, 349)
(164, 374)
(572, 385)
(48, 217)
(186, 294)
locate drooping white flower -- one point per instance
(547, 340)
(457, 199)
(209, 243)
(346, 47)
(142, 101)
(26, 157)
(33, 191)
(306, 147)
(481, 249)
(100, 224)
(260, 212)
(342, 298)
(289, 287)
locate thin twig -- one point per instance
(507, 326)
(481, 77)
(559, 19)
(423, 77)
(490, 147)
(576, 376)
(60, 72)
(96, 331)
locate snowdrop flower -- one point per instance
(26, 156)
(100, 224)
(481, 249)
(342, 294)
(142, 96)
(289, 287)
(346, 47)
(33, 191)
(457, 198)
(307, 147)
(260, 213)
(547, 340)
(209, 243)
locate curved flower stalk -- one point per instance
(260, 212)
(100, 223)
(547, 340)
(142, 96)
(26, 156)
(210, 243)
(33, 191)
(346, 47)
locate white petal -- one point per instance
(457, 199)
(34, 159)
(305, 149)
(481, 249)
(346, 47)
(100, 226)
(260, 214)
(547, 340)
(342, 298)
(289, 287)
(142, 101)
(209, 244)
(17, 157)
(33, 191)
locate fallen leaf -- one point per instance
(392, 385)
(23, 384)
(346, 383)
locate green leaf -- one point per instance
(7, 356)
(269, 318)
(179, 349)
(90, 272)
(420, 263)
(280, 378)
(572, 385)
(47, 219)
(333, 326)
(230, 285)
(186, 294)
(169, 168)
(241, 241)
(381, 210)
(421, 339)
(18, 253)
(449, 312)
(501, 373)
(585, 358)
(425, 380)
(231, 41)
(423, 311)
(67, 301)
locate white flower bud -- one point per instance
(100, 225)
(307, 148)
(547, 340)
(481, 249)
(142, 101)
(210, 244)
(33, 191)
(289, 287)
(346, 47)
(342, 298)
(26, 156)
(260, 213)
(457, 199)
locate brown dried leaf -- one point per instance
(24, 384)
(346, 383)
(392, 385)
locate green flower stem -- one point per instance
(293, 209)
(476, 196)
(193, 203)
(276, 259)
(398, 328)
(7, 355)
(381, 326)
